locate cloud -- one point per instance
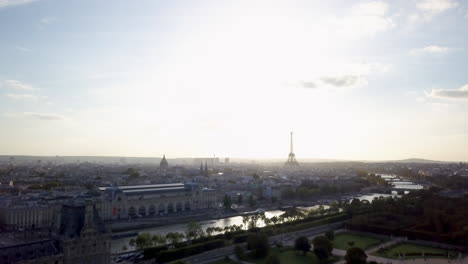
(367, 19)
(44, 116)
(428, 9)
(7, 3)
(23, 49)
(18, 85)
(341, 81)
(333, 82)
(433, 49)
(456, 94)
(309, 84)
(47, 20)
(35, 115)
(435, 7)
(28, 97)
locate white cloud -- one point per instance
(456, 94)
(335, 82)
(367, 19)
(435, 7)
(23, 49)
(7, 3)
(344, 75)
(44, 116)
(428, 9)
(432, 49)
(18, 85)
(28, 97)
(343, 81)
(47, 20)
(35, 115)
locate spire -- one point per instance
(291, 157)
(206, 169)
(292, 150)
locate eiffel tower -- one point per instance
(291, 157)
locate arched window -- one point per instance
(152, 210)
(132, 212)
(161, 209)
(142, 211)
(179, 207)
(170, 208)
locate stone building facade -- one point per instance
(82, 235)
(21, 217)
(78, 237)
(126, 202)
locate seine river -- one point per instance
(119, 243)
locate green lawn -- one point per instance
(407, 248)
(342, 239)
(289, 255)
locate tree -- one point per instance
(302, 244)
(143, 240)
(227, 202)
(355, 255)
(174, 237)
(259, 245)
(209, 230)
(330, 235)
(256, 176)
(132, 173)
(322, 248)
(245, 220)
(274, 220)
(158, 240)
(194, 231)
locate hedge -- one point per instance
(177, 253)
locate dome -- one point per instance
(164, 163)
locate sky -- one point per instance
(359, 80)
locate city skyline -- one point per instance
(354, 80)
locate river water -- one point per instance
(119, 244)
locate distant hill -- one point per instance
(416, 160)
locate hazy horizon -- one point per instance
(354, 80)
(244, 159)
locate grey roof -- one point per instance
(136, 187)
(156, 190)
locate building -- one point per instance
(20, 217)
(78, 236)
(126, 202)
(163, 165)
(82, 235)
(38, 252)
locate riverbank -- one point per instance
(124, 226)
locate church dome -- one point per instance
(164, 163)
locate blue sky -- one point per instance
(353, 79)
